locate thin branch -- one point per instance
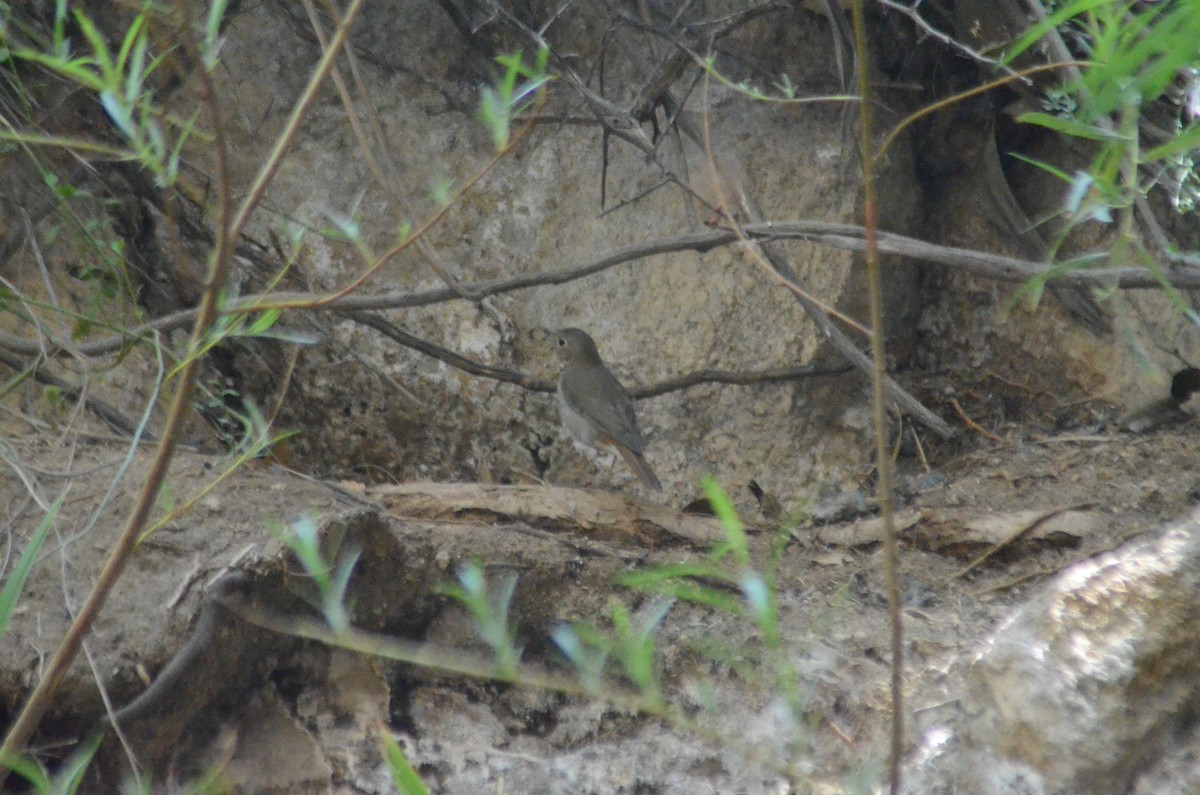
(841, 236)
(1015, 536)
(741, 377)
(776, 262)
(389, 182)
(946, 39)
(267, 172)
(970, 423)
(883, 462)
(396, 334)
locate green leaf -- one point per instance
(735, 534)
(589, 658)
(78, 69)
(291, 336)
(103, 58)
(760, 600)
(119, 113)
(641, 577)
(11, 593)
(212, 31)
(305, 545)
(60, 19)
(334, 599)
(785, 86)
(134, 41)
(490, 609)
(505, 98)
(1064, 176)
(678, 582)
(157, 144)
(1070, 127)
(134, 78)
(70, 775)
(636, 649)
(493, 115)
(1050, 23)
(29, 770)
(261, 324)
(1184, 142)
(403, 775)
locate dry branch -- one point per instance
(605, 515)
(1016, 527)
(777, 261)
(528, 382)
(963, 534)
(843, 236)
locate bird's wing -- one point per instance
(614, 419)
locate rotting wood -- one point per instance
(603, 515)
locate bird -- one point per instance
(595, 408)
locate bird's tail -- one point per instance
(640, 468)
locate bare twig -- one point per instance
(389, 181)
(451, 358)
(532, 384)
(883, 462)
(1021, 579)
(842, 236)
(1013, 537)
(934, 33)
(777, 261)
(970, 423)
(740, 377)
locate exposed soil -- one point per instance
(464, 733)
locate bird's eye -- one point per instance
(562, 343)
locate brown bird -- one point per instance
(595, 407)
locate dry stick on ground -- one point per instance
(1022, 578)
(1012, 538)
(601, 515)
(970, 423)
(842, 236)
